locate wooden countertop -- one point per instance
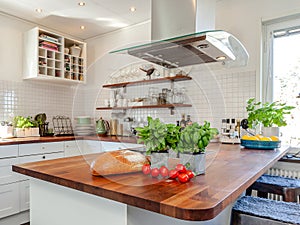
(28, 140)
(230, 170)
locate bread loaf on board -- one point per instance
(118, 162)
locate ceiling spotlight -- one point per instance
(82, 27)
(220, 58)
(39, 10)
(81, 3)
(132, 9)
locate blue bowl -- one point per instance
(264, 145)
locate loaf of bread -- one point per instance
(118, 162)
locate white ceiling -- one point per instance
(98, 16)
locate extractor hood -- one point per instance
(183, 34)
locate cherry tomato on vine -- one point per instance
(173, 174)
(190, 174)
(155, 172)
(183, 177)
(164, 172)
(146, 169)
(180, 168)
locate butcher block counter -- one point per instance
(139, 199)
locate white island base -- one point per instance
(52, 204)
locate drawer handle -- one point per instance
(43, 147)
(44, 157)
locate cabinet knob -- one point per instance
(43, 147)
(44, 157)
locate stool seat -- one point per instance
(254, 210)
(289, 188)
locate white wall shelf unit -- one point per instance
(53, 57)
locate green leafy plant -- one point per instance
(173, 135)
(267, 114)
(153, 135)
(23, 122)
(195, 138)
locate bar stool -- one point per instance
(289, 188)
(249, 210)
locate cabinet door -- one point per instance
(6, 174)
(73, 148)
(111, 146)
(40, 148)
(89, 146)
(9, 199)
(24, 195)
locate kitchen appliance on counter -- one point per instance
(102, 127)
(230, 131)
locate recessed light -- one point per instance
(81, 3)
(220, 58)
(39, 10)
(132, 9)
(82, 27)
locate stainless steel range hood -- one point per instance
(183, 34)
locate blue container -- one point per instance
(264, 145)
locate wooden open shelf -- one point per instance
(170, 106)
(157, 80)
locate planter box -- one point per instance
(159, 159)
(195, 162)
(26, 132)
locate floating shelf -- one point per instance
(170, 106)
(157, 80)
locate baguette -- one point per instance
(118, 162)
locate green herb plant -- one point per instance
(23, 122)
(267, 114)
(153, 135)
(195, 138)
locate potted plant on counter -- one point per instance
(270, 116)
(25, 127)
(153, 136)
(192, 143)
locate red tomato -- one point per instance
(183, 178)
(164, 172)
(173, 174)
(180, 168)
(190, 174)
(146, 169)
(155, 172)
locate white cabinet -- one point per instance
(45, 58)
(8, 151)
(9, 199)
(40, 148)
(7, 176)
(72, 148)
(24, 199)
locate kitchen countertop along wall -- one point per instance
(28, 140)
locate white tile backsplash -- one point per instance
(28, 98)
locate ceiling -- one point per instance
(97, 16)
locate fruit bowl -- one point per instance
(264, 145)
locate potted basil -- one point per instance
(154, 136)
(24, 127)
(192, 143)
(270, 116)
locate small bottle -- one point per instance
(238, 128)
(182, 121)
(188, 120)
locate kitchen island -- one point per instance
(64, 192)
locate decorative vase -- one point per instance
(193, 161)
(270, 131)
(159, 159)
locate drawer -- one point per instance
(73, 148)
(8, 151)
(40, 148)
(9, 199)
(40, 157)
(6, 174)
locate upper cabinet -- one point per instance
(52, 57)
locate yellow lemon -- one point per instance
(274, 138)
(253, 138)
(245, 137)
(266, 139)
(259, 136)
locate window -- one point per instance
(281, 71)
